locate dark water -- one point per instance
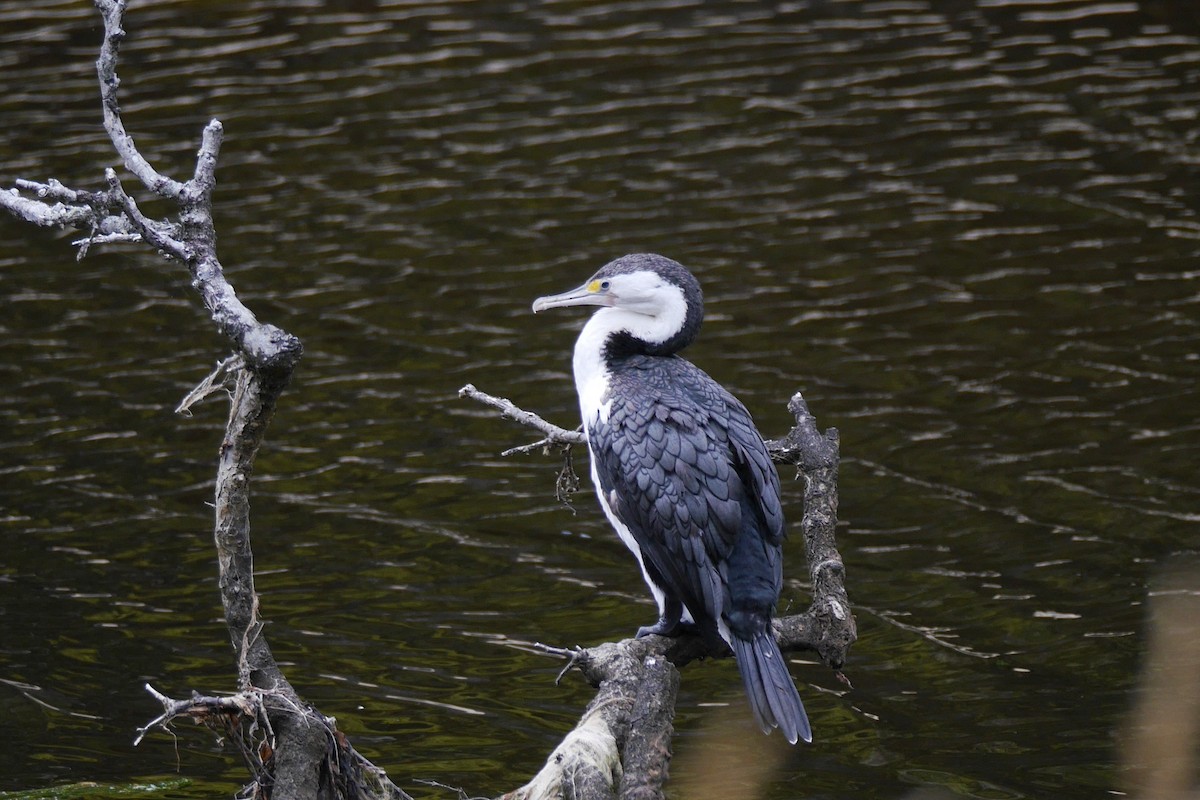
(967, 230)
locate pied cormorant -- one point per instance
(682, 474)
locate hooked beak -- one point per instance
(586, 295)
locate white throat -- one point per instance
(592, 374)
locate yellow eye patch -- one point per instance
(594, 286)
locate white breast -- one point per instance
(592, 379)
(591, 374)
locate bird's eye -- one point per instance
(604, 285)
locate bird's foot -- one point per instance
(666, 626)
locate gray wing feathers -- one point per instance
(683, 458)
(751, 451)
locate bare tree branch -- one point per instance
(554, 435)
(831, 629)
(604, 756)
(244, 720)
(46, 215)
(113, 12)
(293, 751)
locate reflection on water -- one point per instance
(965, 229)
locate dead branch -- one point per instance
(301, 754)
(829, 628)
(554, 435)
(244, 720)
(621, 747)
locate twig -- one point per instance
(218, 380)
(803, 443)
(52, 189)
(458, 790)
(113, 12)
(554, 434)
(163, 236)
(106, 238)
(47, 215)
(200, 708)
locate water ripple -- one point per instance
(965, 233)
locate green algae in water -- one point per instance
(96, 791)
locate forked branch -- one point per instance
(300, 753)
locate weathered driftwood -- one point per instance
(621, 747)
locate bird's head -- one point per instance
(655, 301)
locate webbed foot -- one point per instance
(664, 627)
(670, 623)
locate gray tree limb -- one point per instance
(293, 751)
(554, 435)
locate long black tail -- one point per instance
(773, 695)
